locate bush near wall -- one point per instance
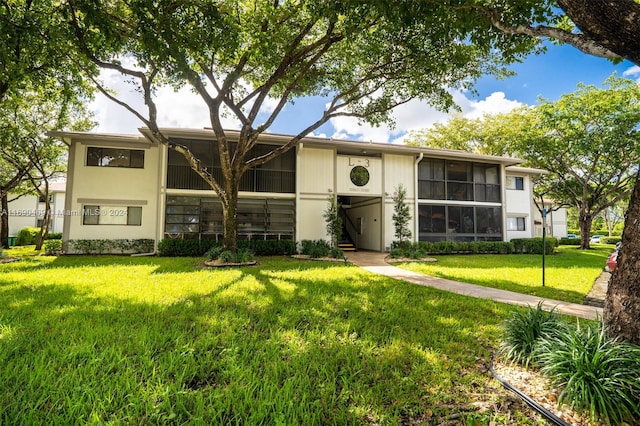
(27, 236)
(54, 236)
(413, 250)
(611, 240)
(196, 248)
(118, 246)
(534, 245)
(570, 241)
(52, 247)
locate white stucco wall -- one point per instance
(26, 210)
(519, 203)
(344, 166)
(315, 182)
(398, 169)
(112, 187)
(22, 213)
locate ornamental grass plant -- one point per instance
(523, 332)
(597, 374)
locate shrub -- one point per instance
(597, 374)
(315, 248)
(214, 252)
(523, 331)
(180, 247)
(423, 248)
(52, 247)
(336, 253)
(27, 236)
(270, 247)
(226, 256)
(140, 245)
(611, 240)
(54, 236)
(197, 248)
(534, 245)
(244, 255)
(570, 241)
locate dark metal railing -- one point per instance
(255, 180)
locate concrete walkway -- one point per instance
(375, 262)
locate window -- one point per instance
(458, 181)
(487, 182)
(459, 223)
(515, 182)
(41, 198)
(195, 217)
(115, 157)
(112, 215)
(515, 224)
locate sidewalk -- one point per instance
(374, 262)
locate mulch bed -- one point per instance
(407, 259)
(539, 388)
(218, 264)
(9, 259)
(326, 259)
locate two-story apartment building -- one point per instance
(129, 186)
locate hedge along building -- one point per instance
(128, 186)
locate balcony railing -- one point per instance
(255, 180)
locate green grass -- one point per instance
(126, 340)
(569, 274)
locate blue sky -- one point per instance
(549, 75)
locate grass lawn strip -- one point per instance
(569, 274)
(159, 340)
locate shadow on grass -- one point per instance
(308, 343)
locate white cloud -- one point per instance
(184, 109)
(633, 72)
(180, 108)
(416, 115)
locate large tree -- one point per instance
(237, 55)
(590, 142)
(28, 158)
(608, 29)
(35, 56)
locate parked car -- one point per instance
(612, 261)
(572, 236)
(595, 239)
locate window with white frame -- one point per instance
(516, 224)
(111, 215)
(515, 182)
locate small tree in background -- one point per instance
(334, 221)
(401, 215)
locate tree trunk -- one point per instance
(46, 219)
(585, 220)
(622, 304)
(4, 219)
(229, 216)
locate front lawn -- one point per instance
(569, 274)
(159, 340)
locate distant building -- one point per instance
(28, 210)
